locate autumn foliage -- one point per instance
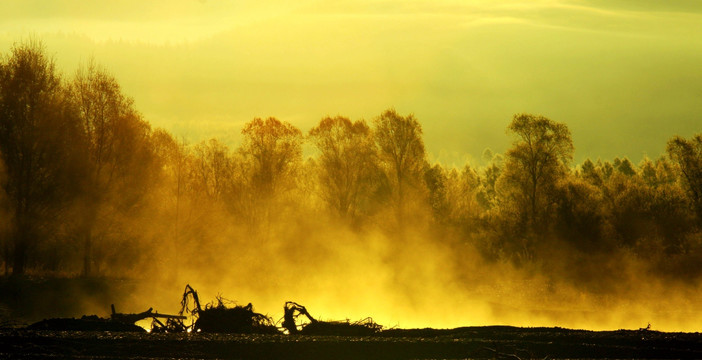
(89, 187)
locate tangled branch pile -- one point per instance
(238, 319)
(363, 327)
(217, 318)
(293, 310)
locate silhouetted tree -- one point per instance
(464, 187)
(537, 159)
(647, 218)
(487, 195)
(177, 160)
(273, 149)
(648, 172)
(624, 166)
(5, 219)
(39, 143)
(578, 214)
(453, 196)
(590, 173)
(271, 153)
(119, 151)
(402, 155)
(687, 154)
(437, 184)
(348, 163)
(212, 169)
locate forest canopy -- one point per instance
(88, 187)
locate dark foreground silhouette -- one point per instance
(469, 342)
(237, 332)
(217, 317)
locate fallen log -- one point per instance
(85, 323)
(293, 310)
(133, 318)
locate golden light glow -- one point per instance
(624, 76)
(203, 68)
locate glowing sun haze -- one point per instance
(623, 75)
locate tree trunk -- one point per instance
(6, 257)
(400, 214)
(88, 225)
(532, 217)
(87, 255)
(20, 251)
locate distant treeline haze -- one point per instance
(88, 187)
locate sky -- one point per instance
(625, 76)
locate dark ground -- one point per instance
(471, 342)
(23, 301)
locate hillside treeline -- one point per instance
(88, 187)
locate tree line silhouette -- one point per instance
(87, 186)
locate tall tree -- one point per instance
(437, 180)
(119, 151)
(402, 154)
(453, 195)
(273, 149)
(212, 169)
(348, 162)
(5, 219)
(687, 154)
(176, 158)
(487, 195)
(540, 154)
(39, 143)
(271, 154)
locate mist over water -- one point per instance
(363, 227)
(340, 274)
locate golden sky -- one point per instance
(624, 75)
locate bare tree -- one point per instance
(39, 141)
(402, 155)
(273, 150)
(212, 169)
(176, 159)
(540, 154)
(270, 156)
(348, 163)
(687, 154)
(5, 218)
(119, 151)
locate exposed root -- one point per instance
(293, 310)
(363, 327)
(216, 317)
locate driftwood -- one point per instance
(215, 317)
(85, 323)
(177, 324)
(365, 327)
(219, 318)
(116, 322)
(292, 310)
(133, 318)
